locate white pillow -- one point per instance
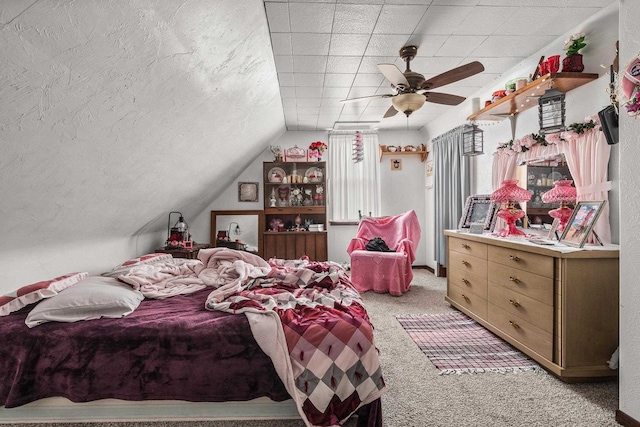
(91, 298)
(122, 269)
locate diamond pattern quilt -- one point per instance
(317, 333)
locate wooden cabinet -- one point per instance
(294, 210)
(558, 305)
(185, 253)
(540, 176)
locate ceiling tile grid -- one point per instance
(327, 51)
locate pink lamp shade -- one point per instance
(562, 193)
(509, 194)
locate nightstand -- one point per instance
(185, 253)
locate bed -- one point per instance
(247, 330)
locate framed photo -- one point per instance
(479, 209)
(581, 223)
(247, 191)
(241, 230)
(553, 230)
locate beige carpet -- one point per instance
(418, 397)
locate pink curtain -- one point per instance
(587, 155)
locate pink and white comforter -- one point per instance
(306, 316)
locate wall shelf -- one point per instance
(384, 151)
(525, 98)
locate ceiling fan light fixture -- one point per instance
(407, 103)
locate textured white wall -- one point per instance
(629, 226)
(113, 114)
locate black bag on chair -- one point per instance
(379, 245)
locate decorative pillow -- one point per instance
(144, 259)
(92, 298)
(37, 291)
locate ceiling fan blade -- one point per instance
(444, 98)
(390, 112)
(364, 98)
(393, 74)
(453, 75)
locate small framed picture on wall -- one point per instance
(247, 191)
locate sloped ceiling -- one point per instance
(114, 113)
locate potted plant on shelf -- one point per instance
(573, 61)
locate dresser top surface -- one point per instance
(557, 250)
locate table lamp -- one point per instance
(562, 193)
(508, 195)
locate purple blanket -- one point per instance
(166, 349)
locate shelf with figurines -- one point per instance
(403, 150)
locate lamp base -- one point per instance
(562, 214)
(510, 215)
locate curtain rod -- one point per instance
(351, 132)
(455, 129)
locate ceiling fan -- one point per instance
(412, 90)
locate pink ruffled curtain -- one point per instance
(504, 167)
(587, 155)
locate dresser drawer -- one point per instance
(527, 261)
(468, 247)
(532, 285)
(468, 264)
(466, 280)
(468, 300)
(530, 335)
(529, 309)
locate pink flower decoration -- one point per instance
(553, 138)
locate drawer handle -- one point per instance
(514, 324)
(466, 282)
(466, 298)
(514, 258)
(514, 279)
(464, 245)
(466, 263)
(514, 303)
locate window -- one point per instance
(353, 186)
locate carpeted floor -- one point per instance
(417, 396)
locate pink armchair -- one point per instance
(385, 271)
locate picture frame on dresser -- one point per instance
(479, 209)
(580, 225)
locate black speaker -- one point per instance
(609, 124)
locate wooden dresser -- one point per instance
(559, 305)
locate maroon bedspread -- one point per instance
(166, 349)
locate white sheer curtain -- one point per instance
(352, 186)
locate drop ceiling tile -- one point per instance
(460, 46)
(371, 80)
(343, 64)
(409, 2)
(544, 20)
(456, 2)
(287, 92)
(308, 102)
(479, 80)
(484, 20)
(335, 92)
(284, 64)
(311, 18)
(310, 43)
(494, 65)
(355, 18)
(385, 45)
(326, 122)
(360, 91)
(330, 110)
(377, 110)
(290, 117)
(331, 101)
(309, 110)
(354, 108)
(399, 19)
(309, 79)
(290, 110)
(288, 102)
(309, 64)
(309, 120)
(281, 43)
(565, 3)
(278, 17)
(286, 79)
(348, 44)
(291, 125)
(349, 117)
(428, 45)
(443, 19)
(431, 66)
(511, 45)
(380, 102)
(338, 80)
(309, 92)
